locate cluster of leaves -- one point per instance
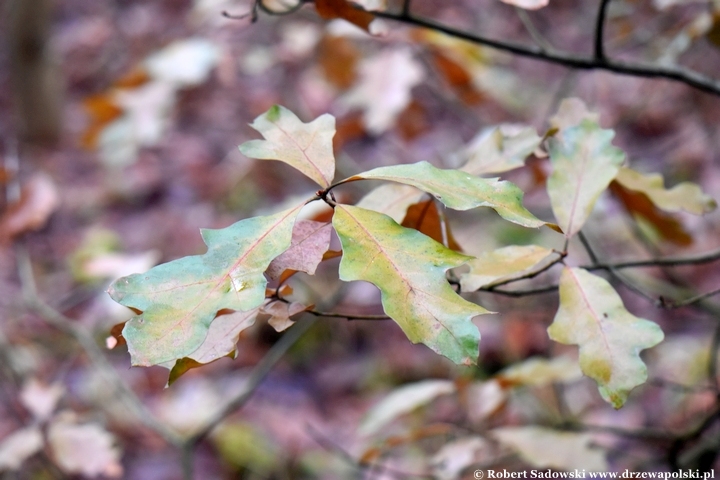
(191, 310)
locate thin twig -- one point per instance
(659, 262)
(347, 316)
(628, 284)
(532, 274)
(600, 31)
(532, 31)
(636, 69)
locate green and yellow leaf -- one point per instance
(459, 190)
(592, 316)
(179, 300)
(686, 196)
(307, 147)
(409, 269)
(584, 163)
(501, 264)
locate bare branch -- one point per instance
(637, 69)
(600, 31)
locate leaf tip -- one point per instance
(273, 114)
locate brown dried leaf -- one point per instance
(330, 9)
(638, 204)
(425, 217)
(39, 199)
(280, 313)
(338, 58)
(457, 76)
(310, 240)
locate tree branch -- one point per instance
(600, 31)
(636, 69)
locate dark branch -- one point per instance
(600, 31)
(644, 70)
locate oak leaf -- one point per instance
(305, 146)
(409, 269)
(592, 316)
(177, 301)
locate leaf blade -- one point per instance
(459, 190)
(685, 196)
(180, 299)
(305, 146)
(409, 269)
(592, 316)
(584, 163)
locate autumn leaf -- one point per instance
(179, 300)
(392, 199)
(543, 447)
(280, 313)
(383, 87)
(645, 212)
(221, 341)
(459, 190)
(425, 217)
(330, 9)
(305, 146)
(310, 241)
(571, 113)
(409, 269)
(584, 163)
(685, 196)
(500, 264)
(539, 371)
(592, 316)
(403, 400)
(499, 149)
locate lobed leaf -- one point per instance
(179, 300)
(685, 196)
(592, 316)
(409, 269)
(584, 163)
(459, 190)
(304, 146)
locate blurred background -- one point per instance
(119, 127)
